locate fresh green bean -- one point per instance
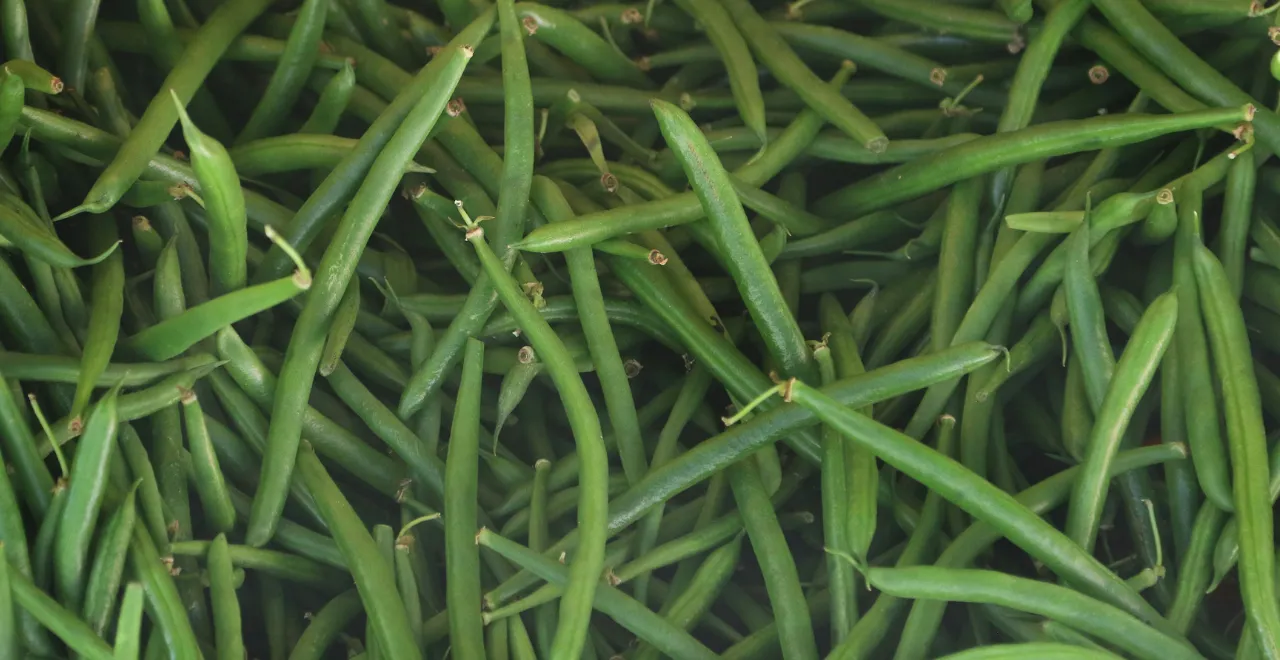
(990, 153)
(1133, 373)
(1247, 442)
(186, 76)
(87, 485)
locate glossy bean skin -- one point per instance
(108, 565)
(342, 181)
(161, 116)
(579, 43)
(226, 608)
(1162, 48)
(31, 476)
(223, 204)
(12, 93)
(162, 595)
(574, 609)
(1237, 217)
(1134, 372)
(774, 52)
(732, 48)
(87, 484)
(926, 615)
(618, 606)
(989, 153)
(64, 624)
(1028, 79)
(1247, 443)
(991, 505)
(374, 577)
(873, 625)
(333, 100)
(290, 74)
(1202, 414)
(210, 483)
(172, 336)
(746, 262)
(10, 643)
(1087, 325)
(1061, 603)
(334, 272)
(462, 558)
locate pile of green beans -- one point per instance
(506, 330)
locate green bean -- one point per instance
(297, 151)
(1245, 436)
(838, 521)
(1133, 373)
(795, 630)
(17, 42)
(774, 52)
(873, 625)
(1024, 90)
(12, 93)
(164, 602)
(35, 237)
(976, 24)
(332, 103)
(128, 637)
(575, 606)
(978, 319)
(462, 558)
(1046, 650)
(732, 50)
(728, 222)
(210, 484)
(694, 602)
(600, 341)
(634, 616)
(481, 301)
(223, 203)
(78, 19)
(173, 336)
(14, 552)
(344, 322)
(186, 76)
(1163, 49)
(1101, 619)
(34, 481)
(326, 625)
(10, 643)
(35, 78)
(1202, 417)
(374, 578)
(681, 208)
(226, 607)
(990, 153)
(983, 501)
(104, 320)
(290, 74)
(108, 564)
(63, 623)
(86, 486)
(1237, 217)
(926, 614)
(1088, 327)
(563, 32)
(42, 548)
